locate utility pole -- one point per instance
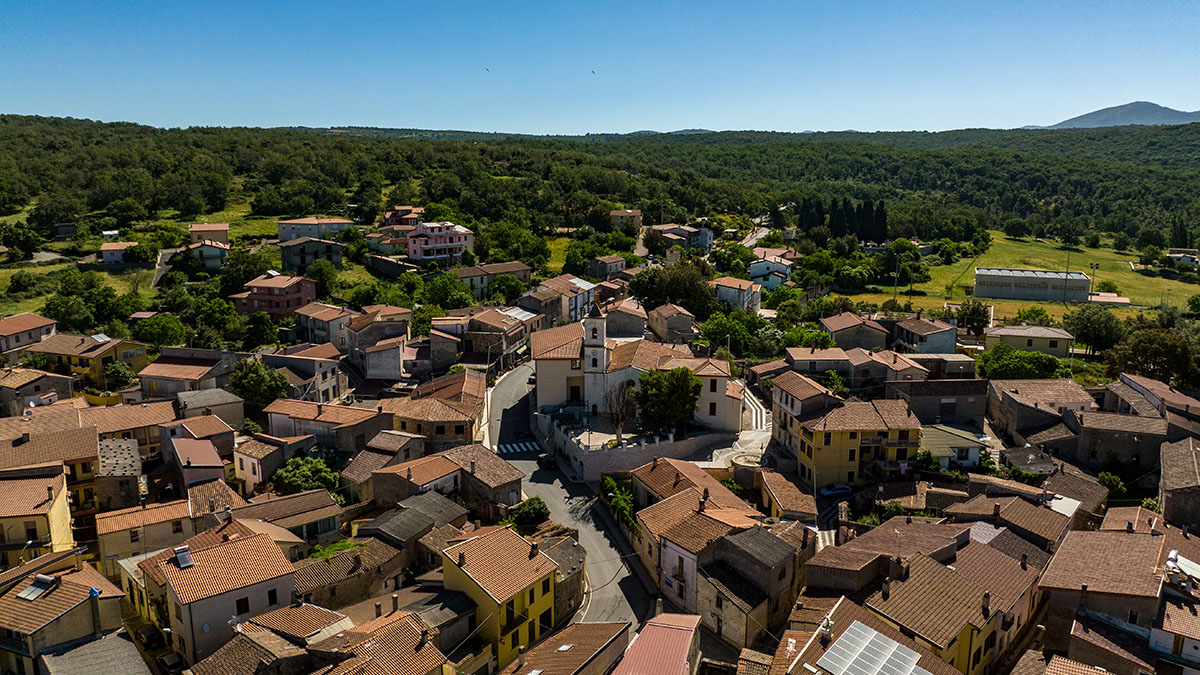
(895, 278)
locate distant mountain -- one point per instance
(1138, 112)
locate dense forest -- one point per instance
(80, 170)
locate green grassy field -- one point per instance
(1029, 253)
(558, 253)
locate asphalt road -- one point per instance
(615, 594)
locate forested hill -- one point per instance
(1172, 147)
(84, 170)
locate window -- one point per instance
(853, 435)
(178, 612)
(403, 425)
(176, 526)
(720, 602)
(253, 469)
(1053, 344)
(459, 429)
(850, 477)
(712, 409)
(546, 586)
(440, 429)
(241, 463)
(712, 386)
(595, 363)
(850, 455)
(975, 658)
(133, 536)
(782, 573)
(595, 334)
(1029, 342)
(242, 606)
(1133, 616)
(272, 597)
(828, 438)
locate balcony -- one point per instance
(21, 545)
(14, 645)
(890, 443)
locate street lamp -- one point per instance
(1093, 266)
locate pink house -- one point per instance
(435, 241)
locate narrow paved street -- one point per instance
(614, 592)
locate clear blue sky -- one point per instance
(787, 66)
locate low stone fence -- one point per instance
(588, 462)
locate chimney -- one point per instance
(424, 638)
(408, 474)
(533, 550)
(24, 438)
(908, 519)
(357, 561)
(1082, 595)
(472, 467)
(654, 463)
(700, 506)
(188, 462)
(996, 510)
(320, 409)
(379, 408)
(378, 610)
(1024, 561)
(395, 602)
(658, 606)
(1129, 526)
(987, 603)
(224, 536)
(228, 513)
(94, 601)
(49, 493)
(462, 559)
(705, 493)
(826, 630)
(212, 504)
(520, 657)
(887, 587)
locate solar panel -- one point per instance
(41, 584)
(183, 557)
(861, 650)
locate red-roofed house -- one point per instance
(19, 330)
(279, 295)
(738, 293)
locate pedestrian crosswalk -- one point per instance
(513, 448)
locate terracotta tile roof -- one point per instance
(67, 446)
(770, 368)
(19, 377)
(248, 653)
(196, 452)
(844, 614)
(374, 313)
(208, 227)
(812, 354)
(925, 326)
(319, 311)
(423, 470)
(996, 572)
(890, 360)
(465, 385)
(226, 567)
(563, 342)
(73, 345)
(19, 323)
(490, 469)
(322, 351)
(1046, 392)
(1181, 465)
(390, 645)
(296, 621)
(390, 441)
(788, 494)
(304, 240)
(1032, 662)
(1118, 518)
(72, 590)
(501, 562)
(136, 516)
(27, 496)
(257, 449)
(733, 282)
(1029, 332)
(789, 647)
(225, 531)
(583, 642)
(799, 386)
(274, 281)
(212, 497)
(359, 468)
(1165, 392)
(646, 356)
(1114, 643)
(111, 419)
(919, 536)
(1090, 494)
(1063, 666)
(290, 511)
(662, 647)
(1119, 563)
(697, 532)
(1179, 617)
(1134, 424)
(864, 415)
(1014, 546)
(1016, 512)
(203, 426)
(846, 320)
(933, 601)
(666, 477)
(117, 245)
(313, 573)
(208, 242)
(669, 310)
(565, 284)
(336, 415)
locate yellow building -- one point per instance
(1044, 339)
(945, 612)
(35, 516)
(84, 357)
(511, 583)
(856, 441)
(77, 449)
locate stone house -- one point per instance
(480, 277)
(256, 459)
(850, 330)
(313, 372)
(220, 403)
(672, 324)
(319, 323)
(23, 388)
(604, 267)
(924, 336)
(375, 324)
(485, 483)
(344, 428)
(568, 583)
(625, 319)
(298, 254)
(936, 401)
(386, 448)
(1179, 489)
(312, 515)
(369, 569)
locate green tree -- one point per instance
(22, 239)
(305, 473)
(507, 287)
(1095, 326)
(161, 330)
(260, 330)
(143, 253)
(1193, 303)
(126, 211)
(667, 398)
(1122, 242)
(972, 314)
(448, 292)
(24, 280)
(722, 331)
(1151, 256)
(118, 375)
(683, 284)
(257, 383)
(1035, 316)
(655, 242)
(1005, 362)
(835, 383)
(1111, 481)
(467, 258)
(1151, 504)
(1107, 286)
(1154, 352)
(325, 275)
(532, 511)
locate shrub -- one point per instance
(532, 511)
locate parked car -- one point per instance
(835, 490)
(150, 638)
(532, 379)
(171, 663)
(547, 462)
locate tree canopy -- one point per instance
(667, 398)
